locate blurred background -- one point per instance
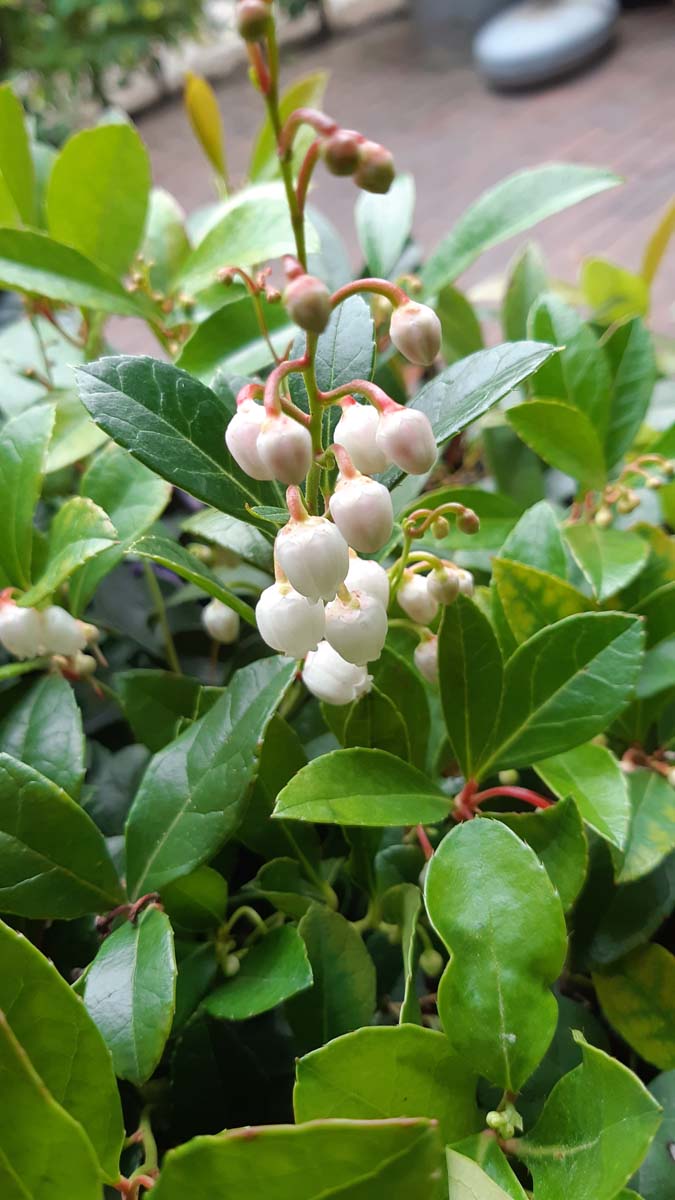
(589, 81)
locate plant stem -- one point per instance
(43, 350)
(517, 793)
(161, 614)
(315, 425)
(285, 160)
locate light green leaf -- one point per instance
(230, 534)
(342, 996)
(594, 1131)
(632, 363)
(612, 293)
(482, 1148)
(97, 195)
(656, 1177)
(591, 775)
(579, 374)
(62, 1044)
(361, 787)
(652, 829)
(203, 112)
(307, 92)
(532, 599)
(75, 435)
(468, 1181)
(43, 729)
(637, 995)
(165, 242)
(470, 678)
(156, 702)
(536, 541)
(563, 436)
(383, 224)
(609, 558)
(79, 531)
(556, 835)
(527, 280)
(196, 902)
(273, 969)
(461, 331)
(395, 676)
(402, 906)
(17, 176)
(230, 339)
(23, 451)
(174, 556)
(515, 204)
(399, 1071)
(374, 722)
(658, 670)
(36, 264)
(493, 998)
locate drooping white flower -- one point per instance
(330, 678)
(416, 600)
(221, 622)
(444, 584)
(241, 437)
(416, 331)
(314, 556)
(356, 431)
(285, 448)
(288, 621)
(406, 437)
(61, 632)
(357, 627)
(366, 575)
(426, 659)
(466, 582)
(362, 510)
(21, 630)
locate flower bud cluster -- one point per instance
(420, 597)
(371, 165)
(375, 440)
(268, 446)
(33, 633)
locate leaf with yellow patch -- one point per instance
(613, 293)
(637, 995)
(532, 599)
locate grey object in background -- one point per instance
(440, 21)
(539, 40)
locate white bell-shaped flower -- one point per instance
(285, 448)
(406, 437)
(288, 621)
(416, 600)
(21, 630)
(241, 437)
(330, 678)
(466, 583)
(314, 556)
(444, 584)
(362, 510)
(426, 659)
(366, 575)
(416, 332)
(356, 431)
(356, 627)
(61, 632)
(220, 622)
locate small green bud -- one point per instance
(508, 778)
(376, 171)
(440, 527)
(231, 965)
(603, 517)
(431, 962)
(653, 482)
(253, 18)
(340, 152)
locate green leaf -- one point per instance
(201, 105)
(609, 558)
(307, 92)
(536, 541)
(34, 263)
(532, 599)
(283, 884)
(403, 906)
(498, 515)
(156, 702)
(61, 1161)
(97, 195)
(565, 685)
(17, 176)
(165, 242)
(556, 835)
(399, 1071)
(612, 293)
(172, 423)
(192, 795)
(53, 860)
(75, 435)
(562, 1056)
(591, 775)
(593, 1133)
(275, 968)
(515, 204)
(468, 1181)
(384, 223)
(656, 1177)
(361, 787)
(130, 993)
(626, 916)
(43, 729)
(23, 452)
(62, 1044)
(658, 670)
(395, 676)
(362, 1160)
(197, 902)
(344, 351)
(79, 531)
(342, 996)
(230, 339)
(527, 280)
(374, 722)
(579, 374)
(174, 556)
(231, 534)
(563, 436)
(282, 756)
(461, 331)
(470, 678)
(652, 829)
(493, 998)
(637, 996)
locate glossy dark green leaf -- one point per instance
(281, 758)
(556, 835)
(626, 916)
(656, 1177)
(532, 599)
(658, 609)
(658, 670)
(172, 423)
(517, 470)
(342, 996)
(563, 436)
(593, 1133)
(344, 351)
(80, 530)
(271, 971)
(381, 1160)
(197, 971)
(637, 996)
(230, 534)
(396, 677)
(284, 884)
(53, 860)
(562, 1056)
(461, 331)
(97, 194)
(174, 556)
(383, 224)
(375, 722)
(23, 452)
(515, 204)
(361, 787)
(470, 678)
(399, 1071)
(609, 558)
(564, 686)
(196, 902)
(155, 703)
(33, 263)
(579, 374)
(130, 993)
(17, 175)
(591, 775)
(536, 541)
(493, 998)
(527, 280)
(632, 364)
(192, 795)
(467, 1180)
(62, 1044)
(652, 829)
(44, 730)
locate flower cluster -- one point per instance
(35, 633)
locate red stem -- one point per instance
(424, 842)
(381, 287)
(272, 404)
(518, 793)
(377, 397)
(304, 116)
(305, 173)
(260, 68)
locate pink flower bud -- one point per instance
(376, 171)
(415, 599)
(357, 627)
(288, 621)
(415, 331)
(468, 522)
(308, 302)
(61, 633)
(366, 575)
(328, 677)
(363, 512)
(285, 448)
(356, 431)
(340, 152)
(444, 584)
(406, 437)
(314, 556)
(466, 584)
(220, 622)
(426, 659)
(253, 17)
(241, 438)
(21, 630)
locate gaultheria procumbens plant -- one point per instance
(367, 854)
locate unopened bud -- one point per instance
(363, 512)
(603, 516)
(508, 778)
(314, 556)
(288, 621)
(330, 678)
(20, 630)
(406, 437)
(231, 965)
(61, 632)
(308, 302)
(375, 171)
(466, 583)
(440, 528)
(366, 575)
(468, 522)
(671, 777)
(426, 659)
(357, 432)
(220, 622)
(416, 600)
(284, 447)
(653, 482)
(356, 628)
(628, 502)
(253, 18)
(443, 584)
(241, 438)
(431, 962)
(415, 331)
(340, 152)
